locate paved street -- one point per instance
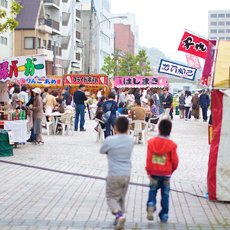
(33, 198)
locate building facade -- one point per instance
(126, 34)
(219, 24)
(6, 39)
(98, 33)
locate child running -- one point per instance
(119, 149)
(162, 161)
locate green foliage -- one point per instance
(144, 65)
(109, 65)
(10, 23)
(128, 66)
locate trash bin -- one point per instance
(5, 148)
(177, 110)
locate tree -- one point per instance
(109, 66)
(128, 66)
(9, 23)
(144, 65)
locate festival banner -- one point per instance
(194, 45)
(177, 70)
(142, 81)
(193, 61)
(71, 79)
(22, 68)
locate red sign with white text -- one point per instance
(194, 45)
(193, 61)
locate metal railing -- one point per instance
(55, 24)
(52, 1)
(47, 22)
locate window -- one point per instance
(228, 23)
(213, 15)
(3, 40)
(29, 43)
(221, 23)
(220, 31)
(213, 23)
(105, 39)
(39, 43)
(227, 15)
(227, 38)
(228, 31)
(44, 44)
(221, 15)
(221, 38)
(4, 3)
(106, 21)
(213, 38)
(213, 31)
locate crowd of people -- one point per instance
(191, 105)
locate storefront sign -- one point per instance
(177, 70)
(22, 68)
(140, 82)
(86, 79)
(46, 81)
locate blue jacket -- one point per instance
(79, 97)
(110, 104)
(204, 101)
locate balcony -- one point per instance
(78, 15)
(55, 26)
(58, 50)
(52, 3)
(78, 36)
(45, 25)
(48, 53)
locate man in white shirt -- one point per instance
(99, 94)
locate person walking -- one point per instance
(196, 106)
(110, 105)
(118, 149)
(66, 96)
(167, 102)
(188, 99)
(79, 100)
(37, 110)
(204, 104)
(181, 104)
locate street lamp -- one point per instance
(90, 35)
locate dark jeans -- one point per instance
(204, 112)
(80, 110)
(187, 113)
(108, 124)
(171, 114)
(163, 183)
(33, 135)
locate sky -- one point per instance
(162, 23)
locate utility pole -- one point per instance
(128, 61)
(90, 35)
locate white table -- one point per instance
(54, 117)
(19, 128)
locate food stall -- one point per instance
(92, 82)
(17, 69)
(53, 82)
(141, 82)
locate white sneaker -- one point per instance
(150, 213)
(121, 222)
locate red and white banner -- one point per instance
(193, 61)
(194, 45)
(219, 157)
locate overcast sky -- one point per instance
(162, 22)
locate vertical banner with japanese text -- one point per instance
(193, 44)
(22, 68)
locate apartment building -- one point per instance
(66, 20)
(126, 36)
(99, 40)
(6, 39)
(219, 24)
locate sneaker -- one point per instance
(41, 142)
(119, 221)
(29, 140)
(82, 130)
(150, 212)
(96, 129)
